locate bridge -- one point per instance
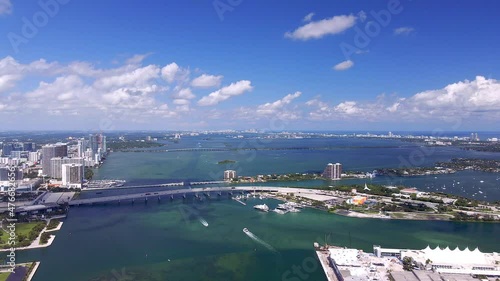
(159, 194)
(156, 185)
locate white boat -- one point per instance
(481, 181)
(246, 230)
(279, 211)
(262, 207)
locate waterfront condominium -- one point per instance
(229, 174)
(50, 151)
(333, 171)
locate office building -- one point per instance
(50, 151)
(333, 171)
(6, 174)
(29, 146)
(72, 174)
(7, 148)
(229, 175)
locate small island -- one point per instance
(227, 161)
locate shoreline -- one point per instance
(36, 243)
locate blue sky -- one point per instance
(237, 64)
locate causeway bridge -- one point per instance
(170, 193)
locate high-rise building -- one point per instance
(72, 174)
(15, 154)
(333, 171)
(29, 146)
(82, 144)
(6, 174)
(97, 141)
(50, 151)
(229, 174)
(33, 157)
(57, 162)
(7, 148)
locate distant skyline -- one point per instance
(279, 65)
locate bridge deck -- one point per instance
(154, 194)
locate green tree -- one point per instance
(89, 173)
(408, 263)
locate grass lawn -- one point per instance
(4, 276)
(21, 229)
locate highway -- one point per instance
(159, 194)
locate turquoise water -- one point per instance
(167, 240)
(355, 155)
(143, 238)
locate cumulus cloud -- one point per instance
(405, 30)
(321, 28)
(478, 99)
(5, 7)
(272, 107)
(308, 17)
(169, 71)
(479, 95)
(184, 93)
(344, 65)
(235, 89)
(207, 81)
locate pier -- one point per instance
(239, 201)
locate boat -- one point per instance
(246, 230)
(262, 207)
(204, 222)
(481, 181)
(280, 211)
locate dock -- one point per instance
(239, 201)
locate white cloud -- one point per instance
(169, 71)
(138, 77)
(137, 59)
(478, 96)
(184, 93)
(405, 30)
(308, 17)
(225, 93)
(5, 7)
(348, 108)
(272, 107)
(344, 65)
(207, 81)
(466, 100)
(321, 28)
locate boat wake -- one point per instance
(203, 221)
(258, 240)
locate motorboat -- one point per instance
(262, 207)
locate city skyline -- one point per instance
(252, 65)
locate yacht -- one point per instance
(280, 211)
(262, 207)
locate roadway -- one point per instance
(158, 194)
